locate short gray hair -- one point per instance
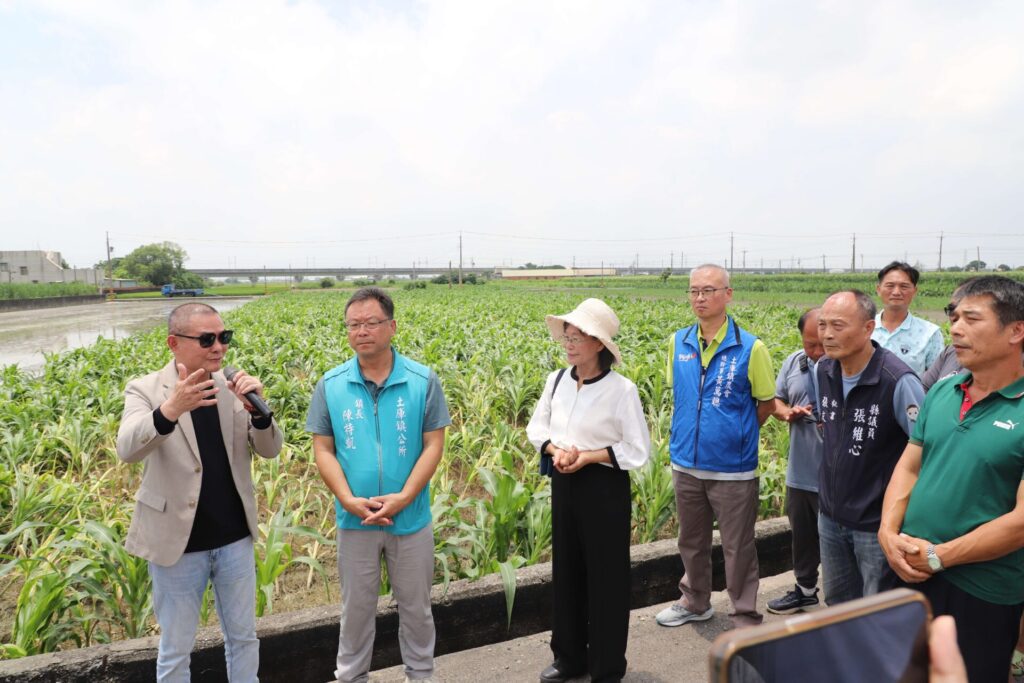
(177, 321)
(713, 266)
(864, 302)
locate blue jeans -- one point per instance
(177, 595)
(852, 562)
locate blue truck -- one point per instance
(172, 291)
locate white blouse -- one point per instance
(604, 413)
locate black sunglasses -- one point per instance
(206, 339)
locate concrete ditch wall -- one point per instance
(49, 302)
(300, 647)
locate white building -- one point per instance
(42, 266)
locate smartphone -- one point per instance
(879, 639)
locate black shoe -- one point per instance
(793, 601)
(553, 674)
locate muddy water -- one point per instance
(26, 335)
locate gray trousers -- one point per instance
(734, 504)
(410, 563)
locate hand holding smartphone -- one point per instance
(879, 639)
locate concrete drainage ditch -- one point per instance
(300, 647)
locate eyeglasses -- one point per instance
(566, 339)
(707, 292)
(371, 325)
(206, 339)
(893, 286)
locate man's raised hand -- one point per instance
(191, 391)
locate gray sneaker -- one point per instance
(677, 615)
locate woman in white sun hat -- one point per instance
(590, 429)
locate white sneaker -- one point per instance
(677, 615)
(418, 680)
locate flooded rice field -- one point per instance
(26, 335)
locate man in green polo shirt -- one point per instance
(953, 515)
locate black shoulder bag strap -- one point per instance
(812, 391)
(546, 468)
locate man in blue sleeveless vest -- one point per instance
(378, 425)
(869, 400)
(723, 390)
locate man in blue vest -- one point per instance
(868, 402)
(723, 390)
(378, 423)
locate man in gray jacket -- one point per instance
(195, 511)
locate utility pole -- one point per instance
(264, 279)
(671, 260)
(744, 252)
(731, 262)
(460, 258)
(110, 273)
(853, 255)
(823, 268)
(979, 258)
(449, 273)
(636, 263)
(940, 251)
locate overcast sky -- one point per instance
(371, 133)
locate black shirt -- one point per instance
(220, 517)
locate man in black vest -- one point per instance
(869, 401)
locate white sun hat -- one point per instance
(593, 317)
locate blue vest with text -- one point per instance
(378, 443)
(714, 420)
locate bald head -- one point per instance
(858, 300)
(845, 324)
(713, 270)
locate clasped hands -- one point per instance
(907, 555)
(568, 460)
(378, 510)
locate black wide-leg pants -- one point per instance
(591, 513)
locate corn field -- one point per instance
(66, 500)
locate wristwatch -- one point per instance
(933, 560)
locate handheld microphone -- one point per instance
(258, 403)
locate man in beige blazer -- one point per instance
(195, 511)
